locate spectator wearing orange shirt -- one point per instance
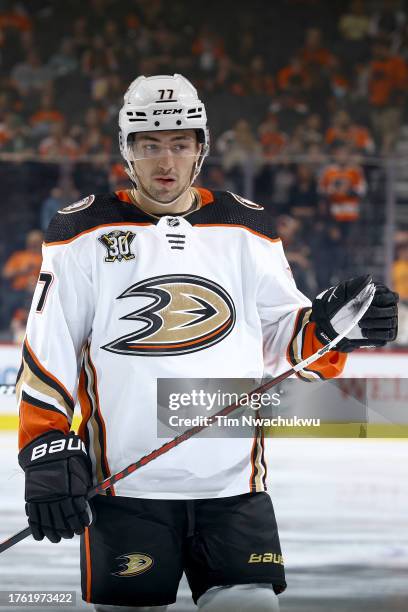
(20, 274)
(343, 129)
(22, 267)
(273, 141)
(342, 186)
(294, 74)
(15, 19)
(45, 116)
(314, 52)
(388, 87)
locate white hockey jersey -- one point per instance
(124, 298)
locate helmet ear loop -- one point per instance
(195, 169)
(130, 172)
(198, 162)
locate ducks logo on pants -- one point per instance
(134, 564)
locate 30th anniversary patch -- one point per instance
(118, 245)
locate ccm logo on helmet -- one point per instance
(168, 111)
(56, 446)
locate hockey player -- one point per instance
(166, 280)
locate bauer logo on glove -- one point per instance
(58, 477)
(57, 446)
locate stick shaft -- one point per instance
(111, 480)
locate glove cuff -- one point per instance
(52, 446)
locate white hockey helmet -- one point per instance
(157, 103)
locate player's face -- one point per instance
(164, 161)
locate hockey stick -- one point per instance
(189, 433)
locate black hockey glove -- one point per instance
(334, 308)
(58, 476)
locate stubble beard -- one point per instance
(162, 196)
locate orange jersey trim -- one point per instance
(88, 565)
(35, 421)
(147, 223)
(207, 197)
(123, 195)
(85, 403)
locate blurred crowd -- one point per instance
(304, 98)
(65, 65)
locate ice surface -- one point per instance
(342, 510)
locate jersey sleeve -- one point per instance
(289, 335)
(58, 326)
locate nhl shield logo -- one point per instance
(173, 222)
(118, 245)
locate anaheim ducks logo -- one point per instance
(245, 202)
(133, 565)
(76, 206)
(187, 313)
